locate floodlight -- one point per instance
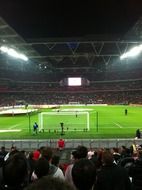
(132, 52)
(13, 53)
(4, 49)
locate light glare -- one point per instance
(132, 52)
(13, 53)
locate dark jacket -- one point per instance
(112, 177)
(136, 173)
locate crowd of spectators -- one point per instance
(59, 98)
(124, 87)
(94, 169)
(94, 86)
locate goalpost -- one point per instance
(72, 120)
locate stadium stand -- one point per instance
(110, 81)
(101, 162)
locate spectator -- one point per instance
(47, 153)
(49, 183)
(111, 176)
(84, 174)
(3, 153)
(31, 163)
(36, 155)
(55, 160)
(136, 172)
(60, 144)
(15, 172)
(80, 152)
(90, 153)
(116, 154)
(13, 150)
(126, 160)
(41, 167)
(125, 152)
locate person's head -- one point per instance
(107, 158)
(115, 150)
(15, 170)
(61, 139)
(41, 167)
(84, 174)
(2, 148)
(47, 153)
(55, 160)
(140, 153)
(49, 183)
(13, 150)
(81, 152)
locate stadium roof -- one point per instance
(68, 55)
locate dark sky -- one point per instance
(70, 18)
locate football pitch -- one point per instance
(80, 122)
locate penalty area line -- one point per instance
(9, 130)
(14, 126)
(118, 125)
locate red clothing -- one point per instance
(36, 155)
(61, 143)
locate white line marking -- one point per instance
(13, 130)
(118, 125)
(14, 126)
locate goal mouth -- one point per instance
(72, 121)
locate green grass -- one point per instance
(112, 123)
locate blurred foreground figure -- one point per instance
(111, 176)
(49, 183)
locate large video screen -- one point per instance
(74, 81)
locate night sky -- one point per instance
(70, 18)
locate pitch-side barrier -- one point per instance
(69, 143)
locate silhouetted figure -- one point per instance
(126, 111)
(84, 174)
(35, 128)
(3, 153)
(138, 134)
(62, 128)
(49, 183)
(110, 175)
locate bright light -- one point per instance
(13, 53)
(132, 52)
(74, 81)
(4, 49)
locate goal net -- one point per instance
(73, 121)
